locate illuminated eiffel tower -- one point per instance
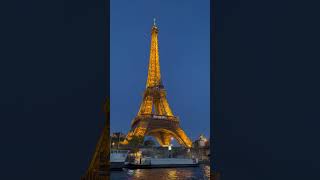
(155, 117)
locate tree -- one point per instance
(135, 142)
(116, 138)
(149, 143)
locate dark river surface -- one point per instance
(202, 173)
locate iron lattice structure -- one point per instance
(99, 165)
(155, 118)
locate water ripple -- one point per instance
(193, 173)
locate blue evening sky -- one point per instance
(184, 48)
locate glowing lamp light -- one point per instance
(171, 138)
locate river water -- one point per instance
(200, 173)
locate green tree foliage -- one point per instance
(135, 142)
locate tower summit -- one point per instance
(155, 117)
(154, 21)
(154, 75)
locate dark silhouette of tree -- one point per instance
(117, 138)
(149, 143)
(136, 142)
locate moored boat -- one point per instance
(118, 159)
(148, 163)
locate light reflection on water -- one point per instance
(199, 173)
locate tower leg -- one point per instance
(139, 131)
(183, 138)
(162, 138)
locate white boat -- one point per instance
(147, 162)
(118, 158)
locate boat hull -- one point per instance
(151, 166)
(116, 166)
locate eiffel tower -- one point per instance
(99, 166)
(155, 117)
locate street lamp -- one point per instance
(118, 140)
(169, 148)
